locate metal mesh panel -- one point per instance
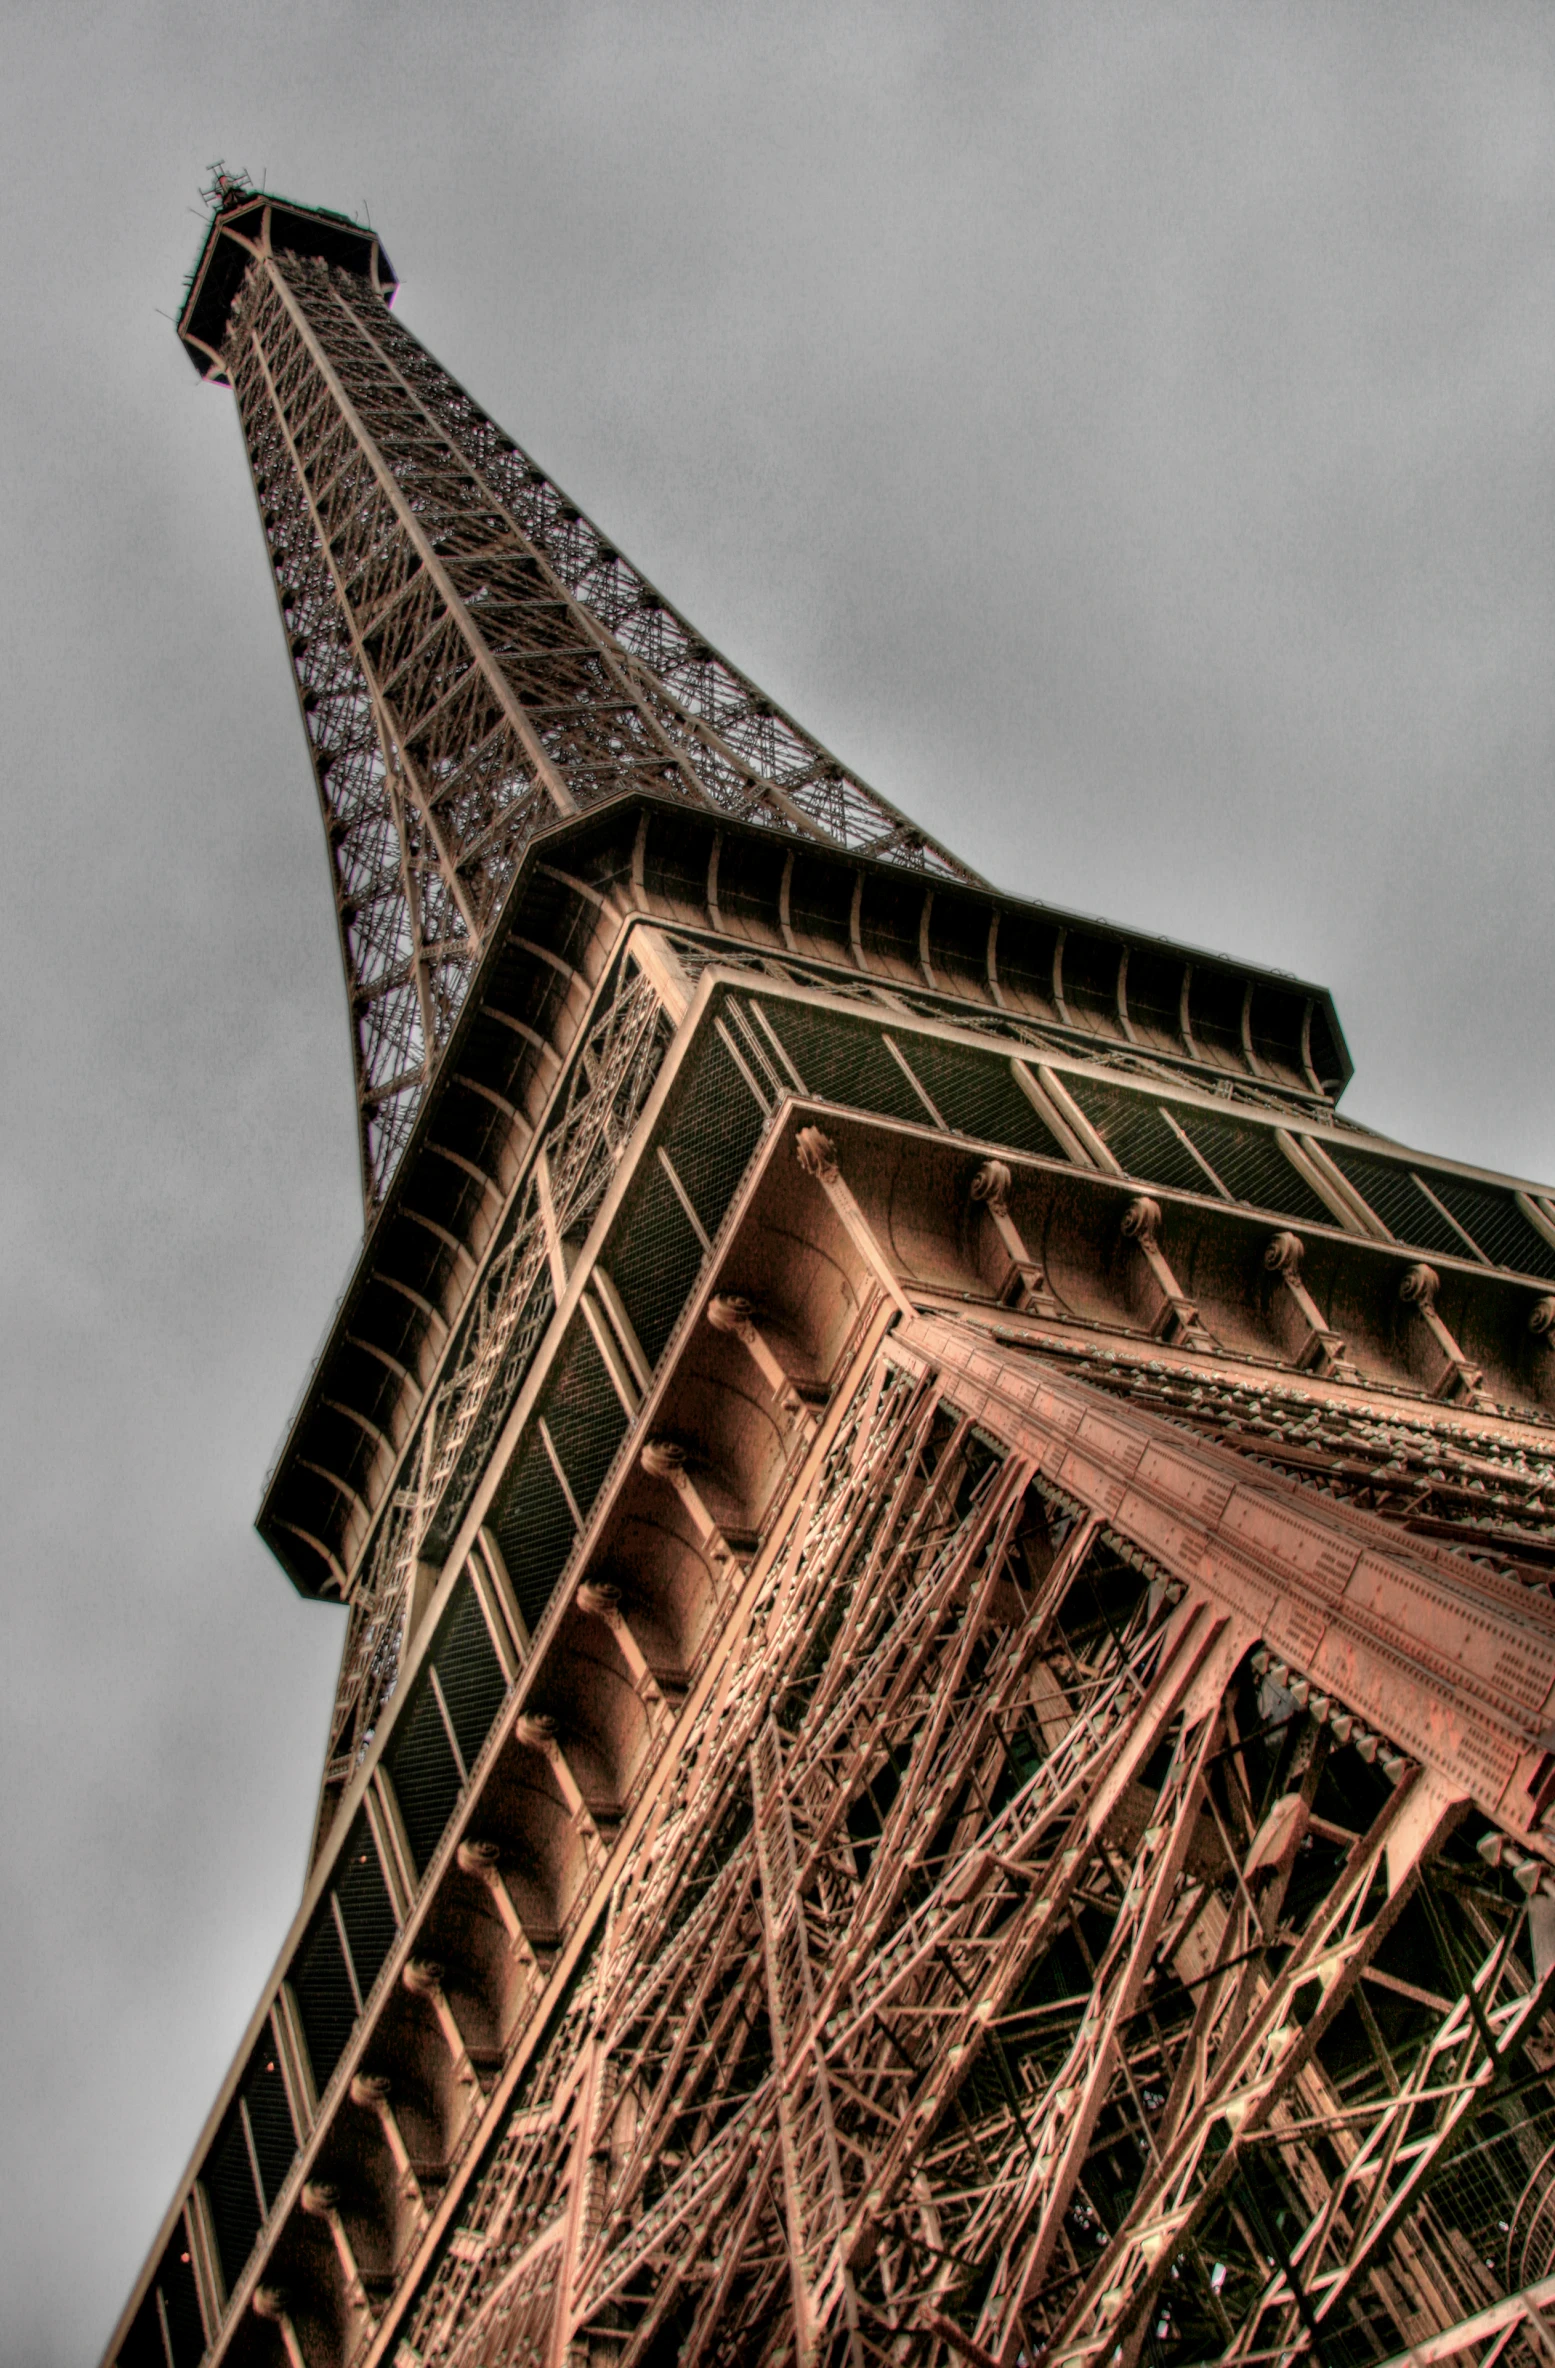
(1397, 1199)
(1250, 1163)
(843, 1060)
(657, 1260)
(181, 2300)
(270, 2118)
(143, 2346)
(534, 1528)
(584, 1416)
(975, 1093)
(713, 1134)
(365, 1908)
(422, 1771)
(1481, 2188)
(323, 1992)
(1497, 1224)
(236, 2212)
(1138, 1136)
(470, 1674)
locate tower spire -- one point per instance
(473, 657)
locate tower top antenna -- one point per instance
(225, 189)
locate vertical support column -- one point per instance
(576, 2232)
(812, 2174)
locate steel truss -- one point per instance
(1003, 1813)
(1473, 1492)
(474, 661)
(1004, 1975)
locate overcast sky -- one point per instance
(1123, 433)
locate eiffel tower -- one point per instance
(945, 1749)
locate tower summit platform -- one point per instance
(246, 224)
(945, 1748)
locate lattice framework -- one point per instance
(996, 1981)
(474, 660)
(985, 1873)
(582, 1147)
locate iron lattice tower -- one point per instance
(946, 1743)
(473, 658)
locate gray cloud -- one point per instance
(1123, 432)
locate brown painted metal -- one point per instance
(663, 2166)
(1020, 1824)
